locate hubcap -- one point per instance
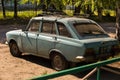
(14, 48)
(58, 62)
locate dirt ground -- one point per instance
(26, 67)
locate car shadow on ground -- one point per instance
(104, 75)
(37, 60)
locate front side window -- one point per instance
(48, 27)
(34, 26)
(63, 30)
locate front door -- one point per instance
(29, 37)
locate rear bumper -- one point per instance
(94, 58)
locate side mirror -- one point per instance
(23, 28)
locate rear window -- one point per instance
(88, 29)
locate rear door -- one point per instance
(64, 39)
(47, 38)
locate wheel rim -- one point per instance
(58, 63)
(14, 48)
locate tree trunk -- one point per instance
(15, 8)
(77, 9)
(36, 7)
(3, 8)
(117, 20)
(100, 13)
(89, 11)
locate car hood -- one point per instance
(97, 42)
(14, 31)
(19, 30)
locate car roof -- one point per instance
(63, 19)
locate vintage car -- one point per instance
(62, 40)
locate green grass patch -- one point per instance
(107, 12)
(69, 12)
(28, 13)
(23, 17)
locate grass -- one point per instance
(31, 13)
(105, 12)
(23, 17)
(69, 12)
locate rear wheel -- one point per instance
(59, 62)
(14, 49)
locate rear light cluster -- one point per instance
(115, 49)
(89, 52)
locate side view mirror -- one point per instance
(23, 28)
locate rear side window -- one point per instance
(63, 30)
(48, 27)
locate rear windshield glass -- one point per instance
(88, 29)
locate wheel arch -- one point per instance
(55, 51)
(12, 40)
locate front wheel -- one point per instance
(14, 49)
(59, 62)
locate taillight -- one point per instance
(89, 52)
(115, 48)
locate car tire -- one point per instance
(14, 49)
(59, 62)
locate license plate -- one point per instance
(103, 50)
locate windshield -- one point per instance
(88, 29)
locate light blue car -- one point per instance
(63, 41)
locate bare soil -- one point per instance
(26, 67)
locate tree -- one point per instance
(78, 4)
(99, 9)
(118, 19)
(15, 8)
(34, 2)
(3, 8)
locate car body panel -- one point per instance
(29, 41)
(45, 44)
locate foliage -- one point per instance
(92, 7)
(32, 1)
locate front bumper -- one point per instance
(6, 43)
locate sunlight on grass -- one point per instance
(110, 12)
(22, 14)
(69, 12)
(28, 13)
(1, 15)
(9, 14)
(106, 12)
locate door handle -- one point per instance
(55, 38)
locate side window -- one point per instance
(34, 26)
(48, 27)
(63, 30)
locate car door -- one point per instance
(64, 40)
(46, 39)
(29, 37)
